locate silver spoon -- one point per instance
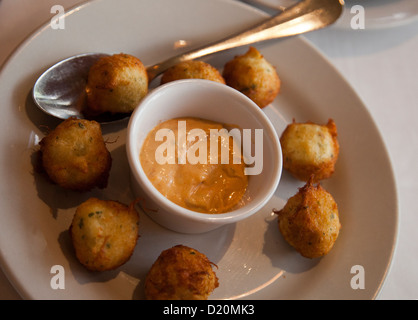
(60, 90)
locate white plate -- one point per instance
(377, 13)
(254, 261)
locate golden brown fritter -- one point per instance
(192, 69)
(74, 155)
(104, 233)
(310, 221)
(116, 84)
(254, 76)
(310, 149)
(180, 273)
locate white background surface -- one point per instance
(381, 65)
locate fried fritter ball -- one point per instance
(116, 84)
(310, 221)
(310, 149)
(104, 233)
(254, 76)
(74, 155)
(192, 69)
(180, 273)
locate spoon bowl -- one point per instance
(60, 90)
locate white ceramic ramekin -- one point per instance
(212, 101)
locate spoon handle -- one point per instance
(305, 16)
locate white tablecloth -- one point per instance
(381, 65)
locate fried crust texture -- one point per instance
(180, 273)
(254, 76)
(116, 84)
(104, 233)
(74, 155)
(309, 221)
(310, 149)
(192, 69)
